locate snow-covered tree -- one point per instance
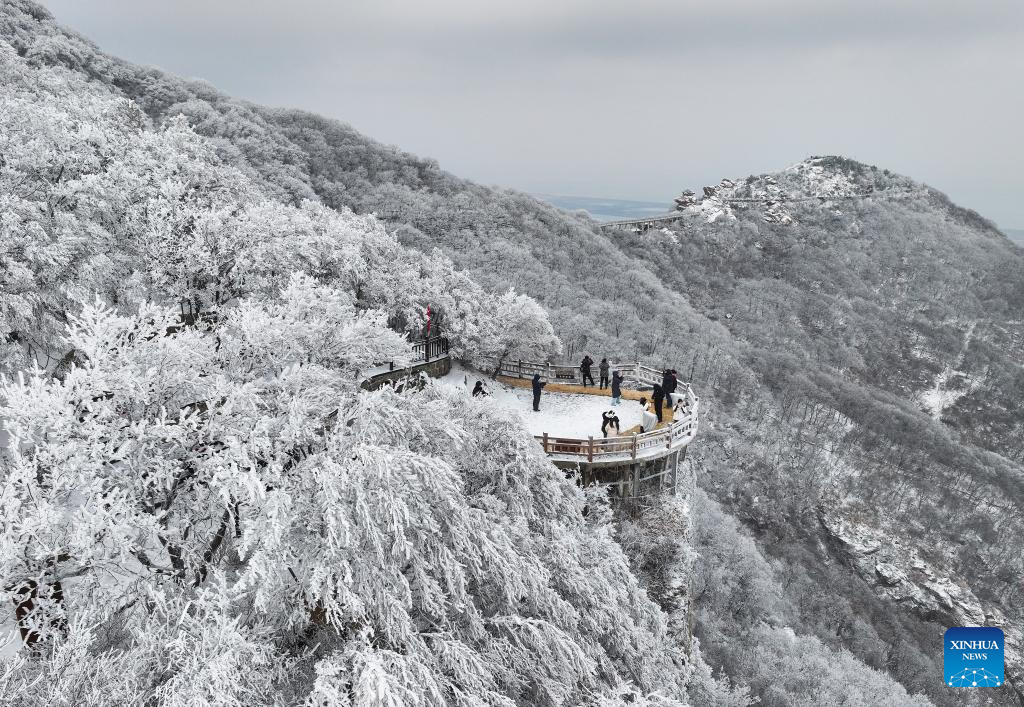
(94, 199)
(199, 505)
(230, 520)
(517, 329)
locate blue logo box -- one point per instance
(973, 657)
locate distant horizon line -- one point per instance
(652, 202)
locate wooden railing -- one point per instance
(634, 375)
(430, 349)
(423, 352)
(637, 446)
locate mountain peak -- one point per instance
(822, 179)
(837, 167)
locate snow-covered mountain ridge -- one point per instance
(830, 181)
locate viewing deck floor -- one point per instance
(623, 410)
(568, 423)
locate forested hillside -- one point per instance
(861, 457)
(198, 504)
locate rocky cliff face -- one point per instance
(896, 570)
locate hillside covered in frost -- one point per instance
(200, 282)
(198, 505)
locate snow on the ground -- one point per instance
(936, 399)
(381, 368)
(561, 414)
(943, 394)
(824, 182)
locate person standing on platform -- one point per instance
(538, 385)
(616, 387)
(659, 400)
(682, 408)
(668, 386)
(648, 420)
(603, 370)
(585, 365)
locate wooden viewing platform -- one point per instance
(643, 446)
(672, 435)
(635, 465)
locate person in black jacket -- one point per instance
(479, 389)
(616, 387)
(668, 385)
(609, 420)
(538, 385)
(602, 368)
(659, 400)
(585, 370)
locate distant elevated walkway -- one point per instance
(643, 223)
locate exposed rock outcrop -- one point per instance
(896, 570)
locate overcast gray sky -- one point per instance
(636, 99)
